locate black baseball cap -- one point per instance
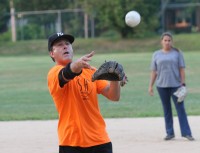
(58, 36)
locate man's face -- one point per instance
(62, 52)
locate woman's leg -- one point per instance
(164, 94)
(182, 116)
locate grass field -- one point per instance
(24, 94)
(187, 42)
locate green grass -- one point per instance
(24, 94)
(186, 42)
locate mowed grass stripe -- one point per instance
(24, 94)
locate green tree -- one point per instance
(46, 21)
(35, 5)
(110, 15)
(4, 15)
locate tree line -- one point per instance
(108, 14)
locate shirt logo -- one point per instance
(85, 88)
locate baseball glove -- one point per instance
(181, 93)
(111, 71)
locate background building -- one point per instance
(180, 16)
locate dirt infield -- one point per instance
(128, 135)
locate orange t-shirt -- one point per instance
(80, 121)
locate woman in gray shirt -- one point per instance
(167, 70)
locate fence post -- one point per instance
(86, 25)
(13, 28)
(59, 26)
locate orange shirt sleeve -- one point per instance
(53, 83)
(101, 84)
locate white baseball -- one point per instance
(132, 18)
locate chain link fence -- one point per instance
(40, 24)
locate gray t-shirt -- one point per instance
(167, 65)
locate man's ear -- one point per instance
(51, 54)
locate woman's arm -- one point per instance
(182, 73)
(152, 81)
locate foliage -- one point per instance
(21, 6)
(4, 16)
(35, 5)
(6, 36)
(108, 15)
(30, 31)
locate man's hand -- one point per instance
(82, 62)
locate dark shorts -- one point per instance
(103, 148)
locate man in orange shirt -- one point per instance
(81, 127)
